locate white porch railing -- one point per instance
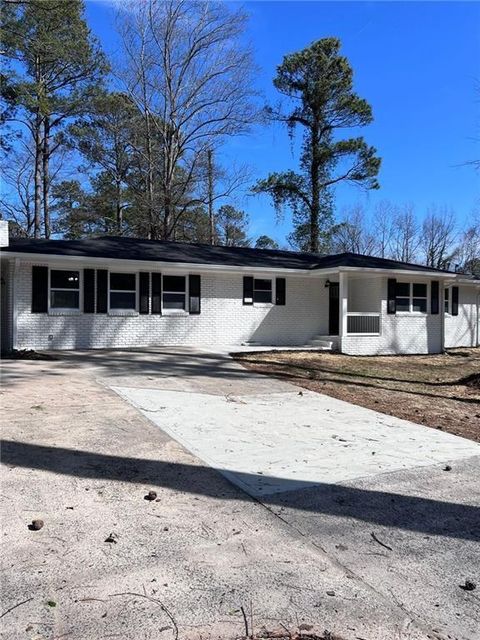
(363, 323)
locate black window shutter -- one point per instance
(144, 292)
(434, 302)
(102, 290)
(248, 290)
(156, 293)
(454, 301)
(391, 296)
(88, 290)
(280, 291)
(194, 294)
(39, 289)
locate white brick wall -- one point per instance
(4, 239)
(399, 333)
(462, 330)
(224, 320)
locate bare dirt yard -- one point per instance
(439, 391)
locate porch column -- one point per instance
(343, 303)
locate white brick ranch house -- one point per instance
(122, 292)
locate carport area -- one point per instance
(323, 513)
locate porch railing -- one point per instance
(363, 323)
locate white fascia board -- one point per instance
(468, 282)
(145, 265)
(400, 272)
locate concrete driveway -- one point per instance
(354, 525)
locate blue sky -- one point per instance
(417, 63)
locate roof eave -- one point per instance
(151, 264)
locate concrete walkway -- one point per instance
(274, 442)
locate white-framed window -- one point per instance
(411, 297)
(174, 293)
(123, 291)
(446, 300)
(64, 290)
(262, 290)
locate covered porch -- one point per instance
(354, 307)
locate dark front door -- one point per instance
(333, 309)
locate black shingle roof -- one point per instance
(165, 251)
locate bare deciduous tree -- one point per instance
(469, 247)
(405, 240)
(18, 190)
(353, 234)
(189, 72)
(382, 223)
(438, 237)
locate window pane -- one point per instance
(122, 300)
(403, 304)
(64, 299)
(420, 304)
(122, 281)
(403, 289)
(262, 285)
(446, 299)
(174, 283)
(174, 301)
(420, 290)
(262, 296)
(64, 279)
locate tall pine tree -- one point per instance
(318, 81)
(56, 67)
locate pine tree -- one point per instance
(319, 83)
(56, 70)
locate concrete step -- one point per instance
(321, 343)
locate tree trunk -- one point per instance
(211, 216)
(37, 176)
(46, 176)
(315, 203)
(152, 227)
(166, 213)
(119, 210)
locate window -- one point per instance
(174, 293)
(411, 297)
(123, 291)
(262, 290)
(64, 289)
(419, 301)
(447, 300)
(403, 296)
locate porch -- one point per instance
(354, 308)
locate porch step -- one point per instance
(326, 343)
(323, 344)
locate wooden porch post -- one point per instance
(343, 295)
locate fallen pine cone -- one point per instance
(151, 495)
(36, 525)
(111, 538)
(469, 585)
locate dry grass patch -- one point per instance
(440, 391)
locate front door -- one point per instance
(333, 309)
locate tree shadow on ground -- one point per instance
(412, 513)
